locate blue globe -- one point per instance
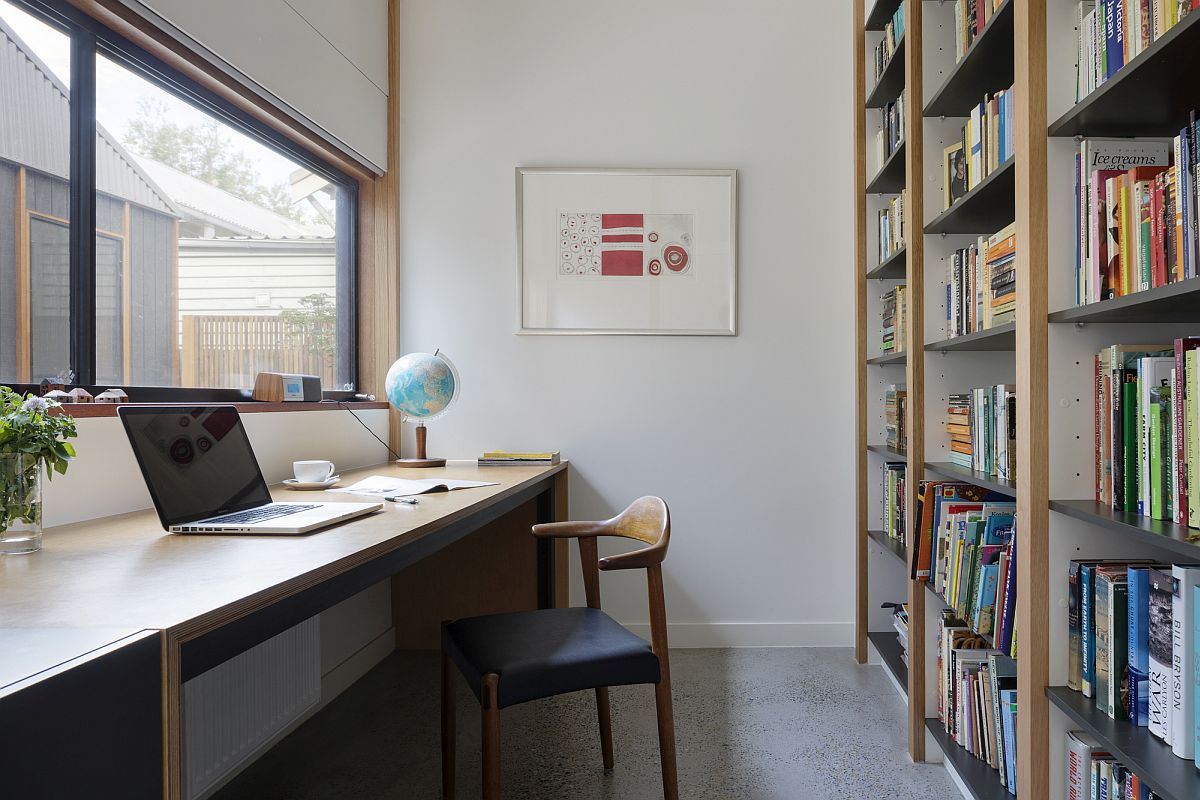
(421, 385)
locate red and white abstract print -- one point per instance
(601, 244)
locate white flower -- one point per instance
(36, 405)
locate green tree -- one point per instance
(204, 151)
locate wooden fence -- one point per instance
(228, 351)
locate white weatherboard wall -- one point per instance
(327, 60)
(749, 438)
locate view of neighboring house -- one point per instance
(180, 264)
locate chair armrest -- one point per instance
(567, 530)
(637, 559)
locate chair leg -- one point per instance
(602, 711)
(449, 740)
(666, 738)
(491, 737)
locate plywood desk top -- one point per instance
(126, 571)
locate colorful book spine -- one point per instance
(1185, 579)
(1161, 654)
(1139, 644)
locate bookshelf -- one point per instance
(940, 91)
(891, 656)
(890, 177)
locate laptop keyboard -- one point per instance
(260, 514)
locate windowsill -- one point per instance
(89, 410)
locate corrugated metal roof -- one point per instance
(219, 206)
(35, 128)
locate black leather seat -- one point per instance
(545, 653)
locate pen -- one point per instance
(412, 501)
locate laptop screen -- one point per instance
(197, 461)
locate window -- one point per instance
(220, 249)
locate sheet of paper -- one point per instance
(387, 486)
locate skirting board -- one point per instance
(753, 634)
(333, 683)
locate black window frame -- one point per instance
(90, 39)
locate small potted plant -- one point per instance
(31, 438)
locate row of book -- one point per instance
(508, 458)
(1136, 216)
(982, 425)
(891, 130)
(893, 499)
(1132, 639)
(891, 227)
(977, 697)
(981, 284)
(894, 315)
(895, 400)
(970, 18)
(1093, 773)
(1147, 430)
(985, 145)
(893, 34)
(1114, 32)
(963, 546)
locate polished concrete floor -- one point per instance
(752, 724)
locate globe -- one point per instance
(422, 386)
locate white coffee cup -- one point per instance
(313, 471)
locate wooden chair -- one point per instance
(512, 658)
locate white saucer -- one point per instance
(292, 483)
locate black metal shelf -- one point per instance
(985, 209)
(1159, 533)
(890, 358)
(1175, 302)
(893, 546)
(894, 267)
(881, 14)
(980, 780)
(986, 67)
(983, 480)
(890, 178)
(891, 654)
(1148, 756)
(887, 452)
(999, 338)
(1150, 96)
(891, 82)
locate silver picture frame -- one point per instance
(724, 306)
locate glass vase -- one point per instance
(20, 504)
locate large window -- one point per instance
(218, 248)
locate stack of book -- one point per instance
(1136, 220)
(900, 623)
(964, 548)
(895, 315)
(970, 18)
(981, 284)
(986, 144)
(1132, 643)
(893, 33)
(891, 227)
(1094, 774)
(977, 697)
(893, 499)
(894, 401)
(891, 130)
(958, 425)
(504, 458)
(1114, 32)
(1147, 430)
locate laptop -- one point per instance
(204, 478)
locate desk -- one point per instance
(212, 597)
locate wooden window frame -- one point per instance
(373, 337)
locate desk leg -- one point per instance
(552, 559)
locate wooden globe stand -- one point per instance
(422, 460)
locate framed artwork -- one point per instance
(954, 174)
(627, 251)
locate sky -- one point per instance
(119, 91)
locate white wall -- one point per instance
(750, 439)
(327, 60)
